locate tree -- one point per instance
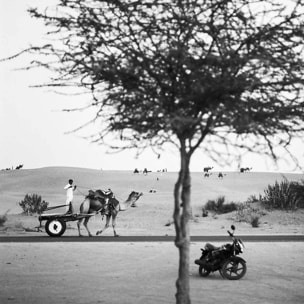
(193, 73)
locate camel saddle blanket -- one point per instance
(100, 194)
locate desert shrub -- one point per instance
(210, 205)
(33, 204)
(247, 213)
(204, 212)
(219, 206)
(284, 195)
(3, 219)
(253, 199)
(243, 212)
(297, 188)
(255, 221)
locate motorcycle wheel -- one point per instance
(234, 269)
(203, 271)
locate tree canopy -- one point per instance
(187, 69)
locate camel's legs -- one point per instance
(86, 225)
(108, 217)
(78, 226)
(114, 224)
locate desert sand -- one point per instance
(115, 273)
(143, 272)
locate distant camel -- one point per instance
(220, 175)
(146, 171)
(243, 170)
(206, 169)
(135, 171)
(97, 202)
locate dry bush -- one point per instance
(3, 218)
(249, 214)
(284, 195)
(219, 206)
(255, 221)
(33, 204)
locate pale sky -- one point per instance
(33, 127)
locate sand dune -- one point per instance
(49, 182)
(155, 209)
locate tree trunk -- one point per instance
(182, 211)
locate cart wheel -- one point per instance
(55, 227)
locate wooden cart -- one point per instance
(55, 225)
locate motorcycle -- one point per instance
(224, 259)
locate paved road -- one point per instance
(209, 238)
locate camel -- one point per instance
(206, 169)
(243, 170)
(146, 171)
(106, 204)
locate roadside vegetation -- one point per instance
(3, 218)
(285, 195)
(219, 206)
(33, 204)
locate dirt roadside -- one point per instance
(113, 273)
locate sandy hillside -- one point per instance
(154, 209)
